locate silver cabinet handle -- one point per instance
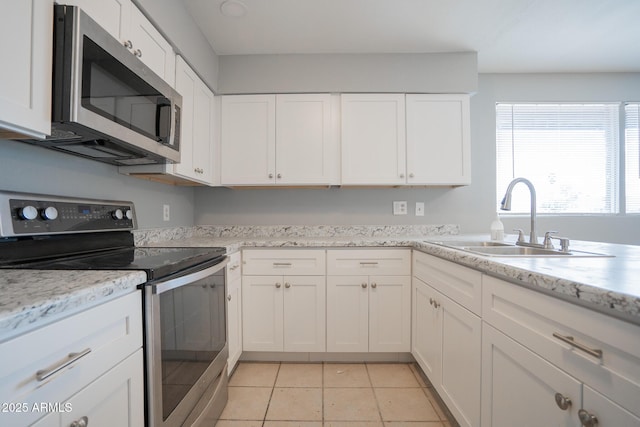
(282, 264)
(411, 175)
(279, 176)
(401, 175)
(563, 402)
(43, 374)
(434, 303)
(270, 175)
(368, 263)
(234, 266)
(374, 285)
(287, 285)
(82, 422)
(128, 44)
(229, 297)
(138, 53)
(573, 343)
(278, 285)
(587, 419)
(364, 286)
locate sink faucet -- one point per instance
(505, 205)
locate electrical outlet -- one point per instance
(399, 208)
(166, 212)
(419, 208)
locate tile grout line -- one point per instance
(373, 391)
(273, 388)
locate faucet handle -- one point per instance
(520, 234)
(548, 244)
(564, 243)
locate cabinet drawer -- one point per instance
(461, 284)
(111, 331)
(234, 268)
(301, 262)
(539, 322)
(348, 262)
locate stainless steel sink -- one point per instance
(501, 249)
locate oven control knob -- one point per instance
(50, 213)
(128, 214)
(117, 214)
(28, 212)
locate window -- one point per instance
(632, 157)
(570, 152)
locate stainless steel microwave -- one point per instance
(106, 104)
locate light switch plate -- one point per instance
(419, 208)
(400, 208)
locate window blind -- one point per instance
(568, 151)
(632, 157)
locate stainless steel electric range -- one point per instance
(185, 356)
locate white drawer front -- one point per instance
(234, 268)
(300, 262)
(461, 284)
(533, 319)
(369, 262)
(111, 331)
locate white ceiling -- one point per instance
(509, 35)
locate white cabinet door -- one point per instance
(151, 47)
(262, 313)
(115, 399)
(25, 74)
(606, 412)
(373, 139)
(234, 311)
(248, 138)
(427, 331)
(196, 129)
(347, 313)
(304, 141)
(390, 313)
(438, 140)
(519, 387)
(112, 15)
(304, 313)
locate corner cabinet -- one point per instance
(277, 140)
(369, 300)
(447, 335)
(126, 23)
(549, 362)
(25, 75)
(86, 368)
(397, 139)
(283, 300)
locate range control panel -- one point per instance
(34, 214)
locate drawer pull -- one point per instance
(82, 422)
(586, 419)
(234, 266)
(71, 358)
(563, 402)
(368, 263)
(571, 341)
(282, 264)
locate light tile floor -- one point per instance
(330, 395)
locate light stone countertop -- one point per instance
(34, 298)
(610, 285)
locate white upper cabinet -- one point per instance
(25, 74)
(420, 140)
(373, 139)
(438, 140)
(124, 21)
(277, 140)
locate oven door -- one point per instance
(186, 351)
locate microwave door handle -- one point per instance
(161, 103)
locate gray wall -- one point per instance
(472, 207)
(455, 72)
(27, 168)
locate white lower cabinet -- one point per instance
(86, 367)
(234, 310)
(283, 312)
(446, 344)
(369, 302)
(538, 348)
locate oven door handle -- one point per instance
(164, 286)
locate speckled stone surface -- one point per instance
(33, 298)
